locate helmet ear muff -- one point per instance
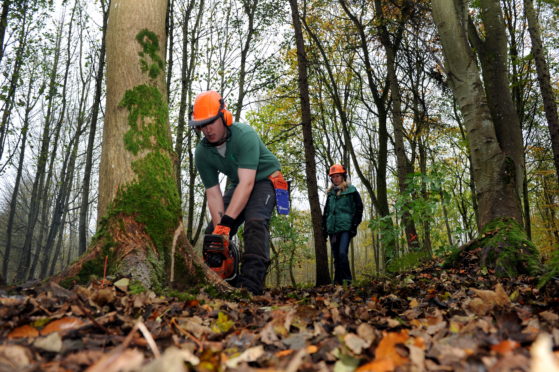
(225, 114)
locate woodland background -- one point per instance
(52, 100)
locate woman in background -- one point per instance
(342, 215)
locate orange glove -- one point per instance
(222, 230)
(224, 226)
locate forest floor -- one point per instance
(427, 319)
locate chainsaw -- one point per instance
(221, 255)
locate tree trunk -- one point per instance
(30, 104)
(140, 231)
(14, 80)
(4, 25)
(249, 7)
(322, 272)
(38, 182)
(492, 52)
(380, 198)
(546, 88)
(403, 165)
(84, 207)
(494, 171)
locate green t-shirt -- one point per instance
(244, 149)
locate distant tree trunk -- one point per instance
(29, 105)
(140, 230)
(494, 170)
(546, 88)
(249, 7)
(391, 45)
(39, 180)
(322, 272)
(4, 25)
(14, 80)
(170, 32)
(84, 206)
(380, 198)
(47, 197)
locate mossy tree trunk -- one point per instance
(494, 170)
(140, 233)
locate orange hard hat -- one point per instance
(209, 106)
(337, 169)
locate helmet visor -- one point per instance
(201, 122)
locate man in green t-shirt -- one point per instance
(236, 150)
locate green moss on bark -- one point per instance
(507, 249)
(152, 199)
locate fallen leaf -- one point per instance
(52, 342)
(355, 343)
(172, 360)
(249, 355)
(505, 346)
(383, 365)
(387, 347)
(14, 357)
(25, 331)
(543, 359)
(62, 324)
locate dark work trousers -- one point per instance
(256, 216)
(340, 249)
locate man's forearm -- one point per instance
(215, 204)
(239, 200)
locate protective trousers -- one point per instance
(256, 216)
(340, 248)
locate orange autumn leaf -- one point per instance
(311, 349)
(61, 325)
(283, 353)
(505, 346)
(386, 349)
(383, 365)
(23, 332)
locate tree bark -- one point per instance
(84, 206)
(322, 272)
(140, 232)
(39, 180)
(403, 165)
(546, 89)
(492, 52)
(493, 171)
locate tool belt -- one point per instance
(281, 187)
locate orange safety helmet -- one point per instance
(209, 106)
(337, 169)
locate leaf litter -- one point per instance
(427, 319)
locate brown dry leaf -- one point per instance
(172, 360)
(118, 361)
(249, 355)
(505, 346)
(498, 297)
(478, 306)
(14, 357)
(355, 343)
(25, 331)
(63, 324)
(52, 342)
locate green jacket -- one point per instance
(342, 212)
